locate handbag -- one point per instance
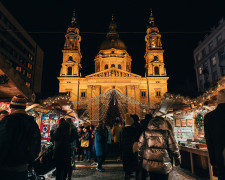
(84, 143)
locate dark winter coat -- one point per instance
(80, 134)
(144, 124)
(138, 129)
(63, 138)
(128, 137)
(214, 123)
(154, 146)
(101, 137)
(52, 132)
(74, 135)
(14, 139)
(86, 136)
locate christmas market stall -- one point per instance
(187, 117)
(49, 111)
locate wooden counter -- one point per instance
(204, 156)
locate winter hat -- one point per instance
(221, 96)
(18, 102)
(128, 120)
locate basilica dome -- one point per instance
(112, 39)
(113, 43)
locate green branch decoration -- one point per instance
(3, 79)
(199, 121)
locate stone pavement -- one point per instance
(114, 171)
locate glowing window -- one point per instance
(213, 60)
(200, 70)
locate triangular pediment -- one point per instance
(113, 72)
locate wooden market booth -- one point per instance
(50, 111)
(187, 117)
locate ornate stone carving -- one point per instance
(113, 72)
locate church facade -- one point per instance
(113, 69)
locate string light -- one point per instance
(199, 101)
(129, 104)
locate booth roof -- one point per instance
(172, 102)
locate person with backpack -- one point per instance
(20, 141)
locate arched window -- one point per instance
(106, 66)
(113, 65)
(156, 70)
(69, 71)
(119, 66)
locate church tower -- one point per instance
(71, 52)
(154, 53)
(155, 70)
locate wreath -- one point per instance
(199, 121)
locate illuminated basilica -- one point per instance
(113, 79)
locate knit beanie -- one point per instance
(18, 102)
(221, 96)
(128, 120)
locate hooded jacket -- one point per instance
(154, 146)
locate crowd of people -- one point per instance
(145, 147)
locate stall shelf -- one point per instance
(202, 155)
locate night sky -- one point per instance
(181, 23)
